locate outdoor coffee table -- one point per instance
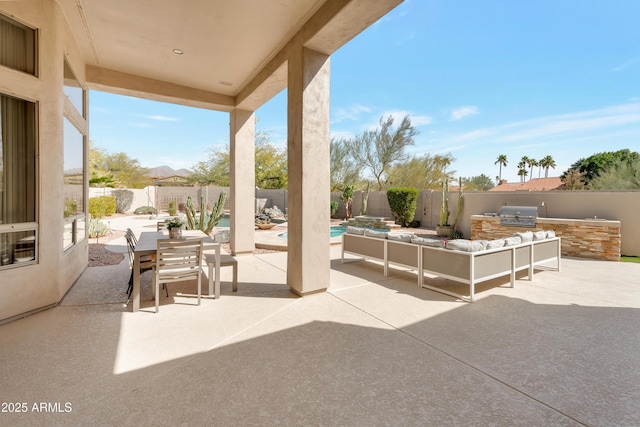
(147, 245)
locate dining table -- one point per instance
(148, 244)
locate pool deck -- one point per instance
(560, 350)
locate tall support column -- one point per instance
(243, 181)
(308, 260)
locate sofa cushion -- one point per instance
(526, 236)
(551, 234)
(428, 242)
(467, 245)
(355, 230)
(539, 235)
(511, 241)
(493, 244)
(400, 237)
(375, 234)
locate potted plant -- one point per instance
(174, 225)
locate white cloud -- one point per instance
(142, 125)
(625, 65)
(342, 134)
(162, 118)
(353, 113)
(416, 120)
(462, 112)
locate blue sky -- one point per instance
(478, 79)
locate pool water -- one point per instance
(336, 231)
(224, 221)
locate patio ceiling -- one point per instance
(234, 52)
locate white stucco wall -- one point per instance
(30, 288)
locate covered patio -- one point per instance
(560, 350)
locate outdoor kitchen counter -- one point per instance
(592, 238)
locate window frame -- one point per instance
(33, 226)
(78, 121)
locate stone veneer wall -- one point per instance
(580, 238)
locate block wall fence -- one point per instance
(621, 205)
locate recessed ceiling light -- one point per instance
(225, 83)
(178, 51)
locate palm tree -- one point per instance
(532, 163)
(522, 168)
(502, 161)
(522, 173)
(547, 162)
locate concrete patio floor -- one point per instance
(561, 350)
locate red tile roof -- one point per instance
(535, 184)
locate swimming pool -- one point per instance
(335, 231)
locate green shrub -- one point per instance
(102, 206)
(334, 207)
(145, 210)
(402, 201)
(172, 208)
(124, 198)
(456, 234)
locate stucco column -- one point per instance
(243, 181)
(308, 261)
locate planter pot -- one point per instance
(266, 226)
(175, 233)
(444, 230)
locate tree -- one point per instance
(502, 161)
(573, 180)
(215, 170)
(381, 148)
(522, 173)
(117, 169)
(270, 165)
(424, 173)
(623, 176)
(522, 168)
(547, 162)
(531, 162)
(593, 165)
(343, 168)
(347, 198)
(477, 183)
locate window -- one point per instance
(17, 46)
(18, 237)
(72, 89)
(74, 190)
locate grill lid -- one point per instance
(522, 216)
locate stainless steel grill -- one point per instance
(518, 216)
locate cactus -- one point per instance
(205, 222)
(444, 211)
(460, 197)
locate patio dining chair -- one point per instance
(146, 262)
(177, 260)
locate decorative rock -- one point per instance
(222, 237)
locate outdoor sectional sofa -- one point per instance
(465, 261)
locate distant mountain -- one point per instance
(165, 171)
